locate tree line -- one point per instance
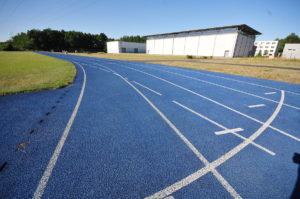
(292, 38)
(60, 40)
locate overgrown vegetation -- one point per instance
(56, 40)
(28, 71)
(136, 38)
(60, 40)
(292, 38)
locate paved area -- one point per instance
(138, 130)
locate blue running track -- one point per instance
(138, 130)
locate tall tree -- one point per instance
(292, 38)
(136, 38)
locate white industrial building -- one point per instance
(125, 47)
(226, 41)
(291, 51)
(266, 48)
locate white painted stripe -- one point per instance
(223, 127)
(97, 68)
(270, 93)
(147, 88)
(198, 174)
(226, 87)
(169, 197)
(47, 173)
(228, 131)
(257, 105)
(218, 103)
(103, 69)
(219, 177)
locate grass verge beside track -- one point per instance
(290, 76)
(28, 71)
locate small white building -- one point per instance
(266, 48)
(291, 51)
(226, 41)
(125, 47)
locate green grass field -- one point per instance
(28, 71)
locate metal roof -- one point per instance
(243, 27)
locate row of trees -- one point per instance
(60, 40)
(292, 38)
(137, 39)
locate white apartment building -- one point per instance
(266, 48)
(226, 41)
(125, 47)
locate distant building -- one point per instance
(226, 41)
(266, 48)
(291, 51)
(125, 47)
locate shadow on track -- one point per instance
(296, 191)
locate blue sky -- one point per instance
(274, 18)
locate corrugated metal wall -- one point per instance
(216, 43)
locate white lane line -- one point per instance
(219, 177)
(257, 105)
(169, 197)
(147, 88)
(226, 87)
(270, 93)
(98, 68)
(231, 79)
(103, 69)
(215, 102)
(47, 173)
(228, 131)
(213, 165)
(223, 127)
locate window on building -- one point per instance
(268, 42)
(271, 50)
(272, 46)
(136, 50)
(262, 42)
(266, 46)
(123, 50)
(273, 42)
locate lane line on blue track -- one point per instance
(231, 79)
(147, 88)
(256, 105)
(103, 69)
(218, 176)
(47, 173)
(226, 87)
(213, 165)
(270, 93)
(226, 130)
(97, 68)
(169, 197)
(215, 102)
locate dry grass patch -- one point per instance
(263, 73)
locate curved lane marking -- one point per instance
(219, 177)
(47, 173)
(213, 165)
